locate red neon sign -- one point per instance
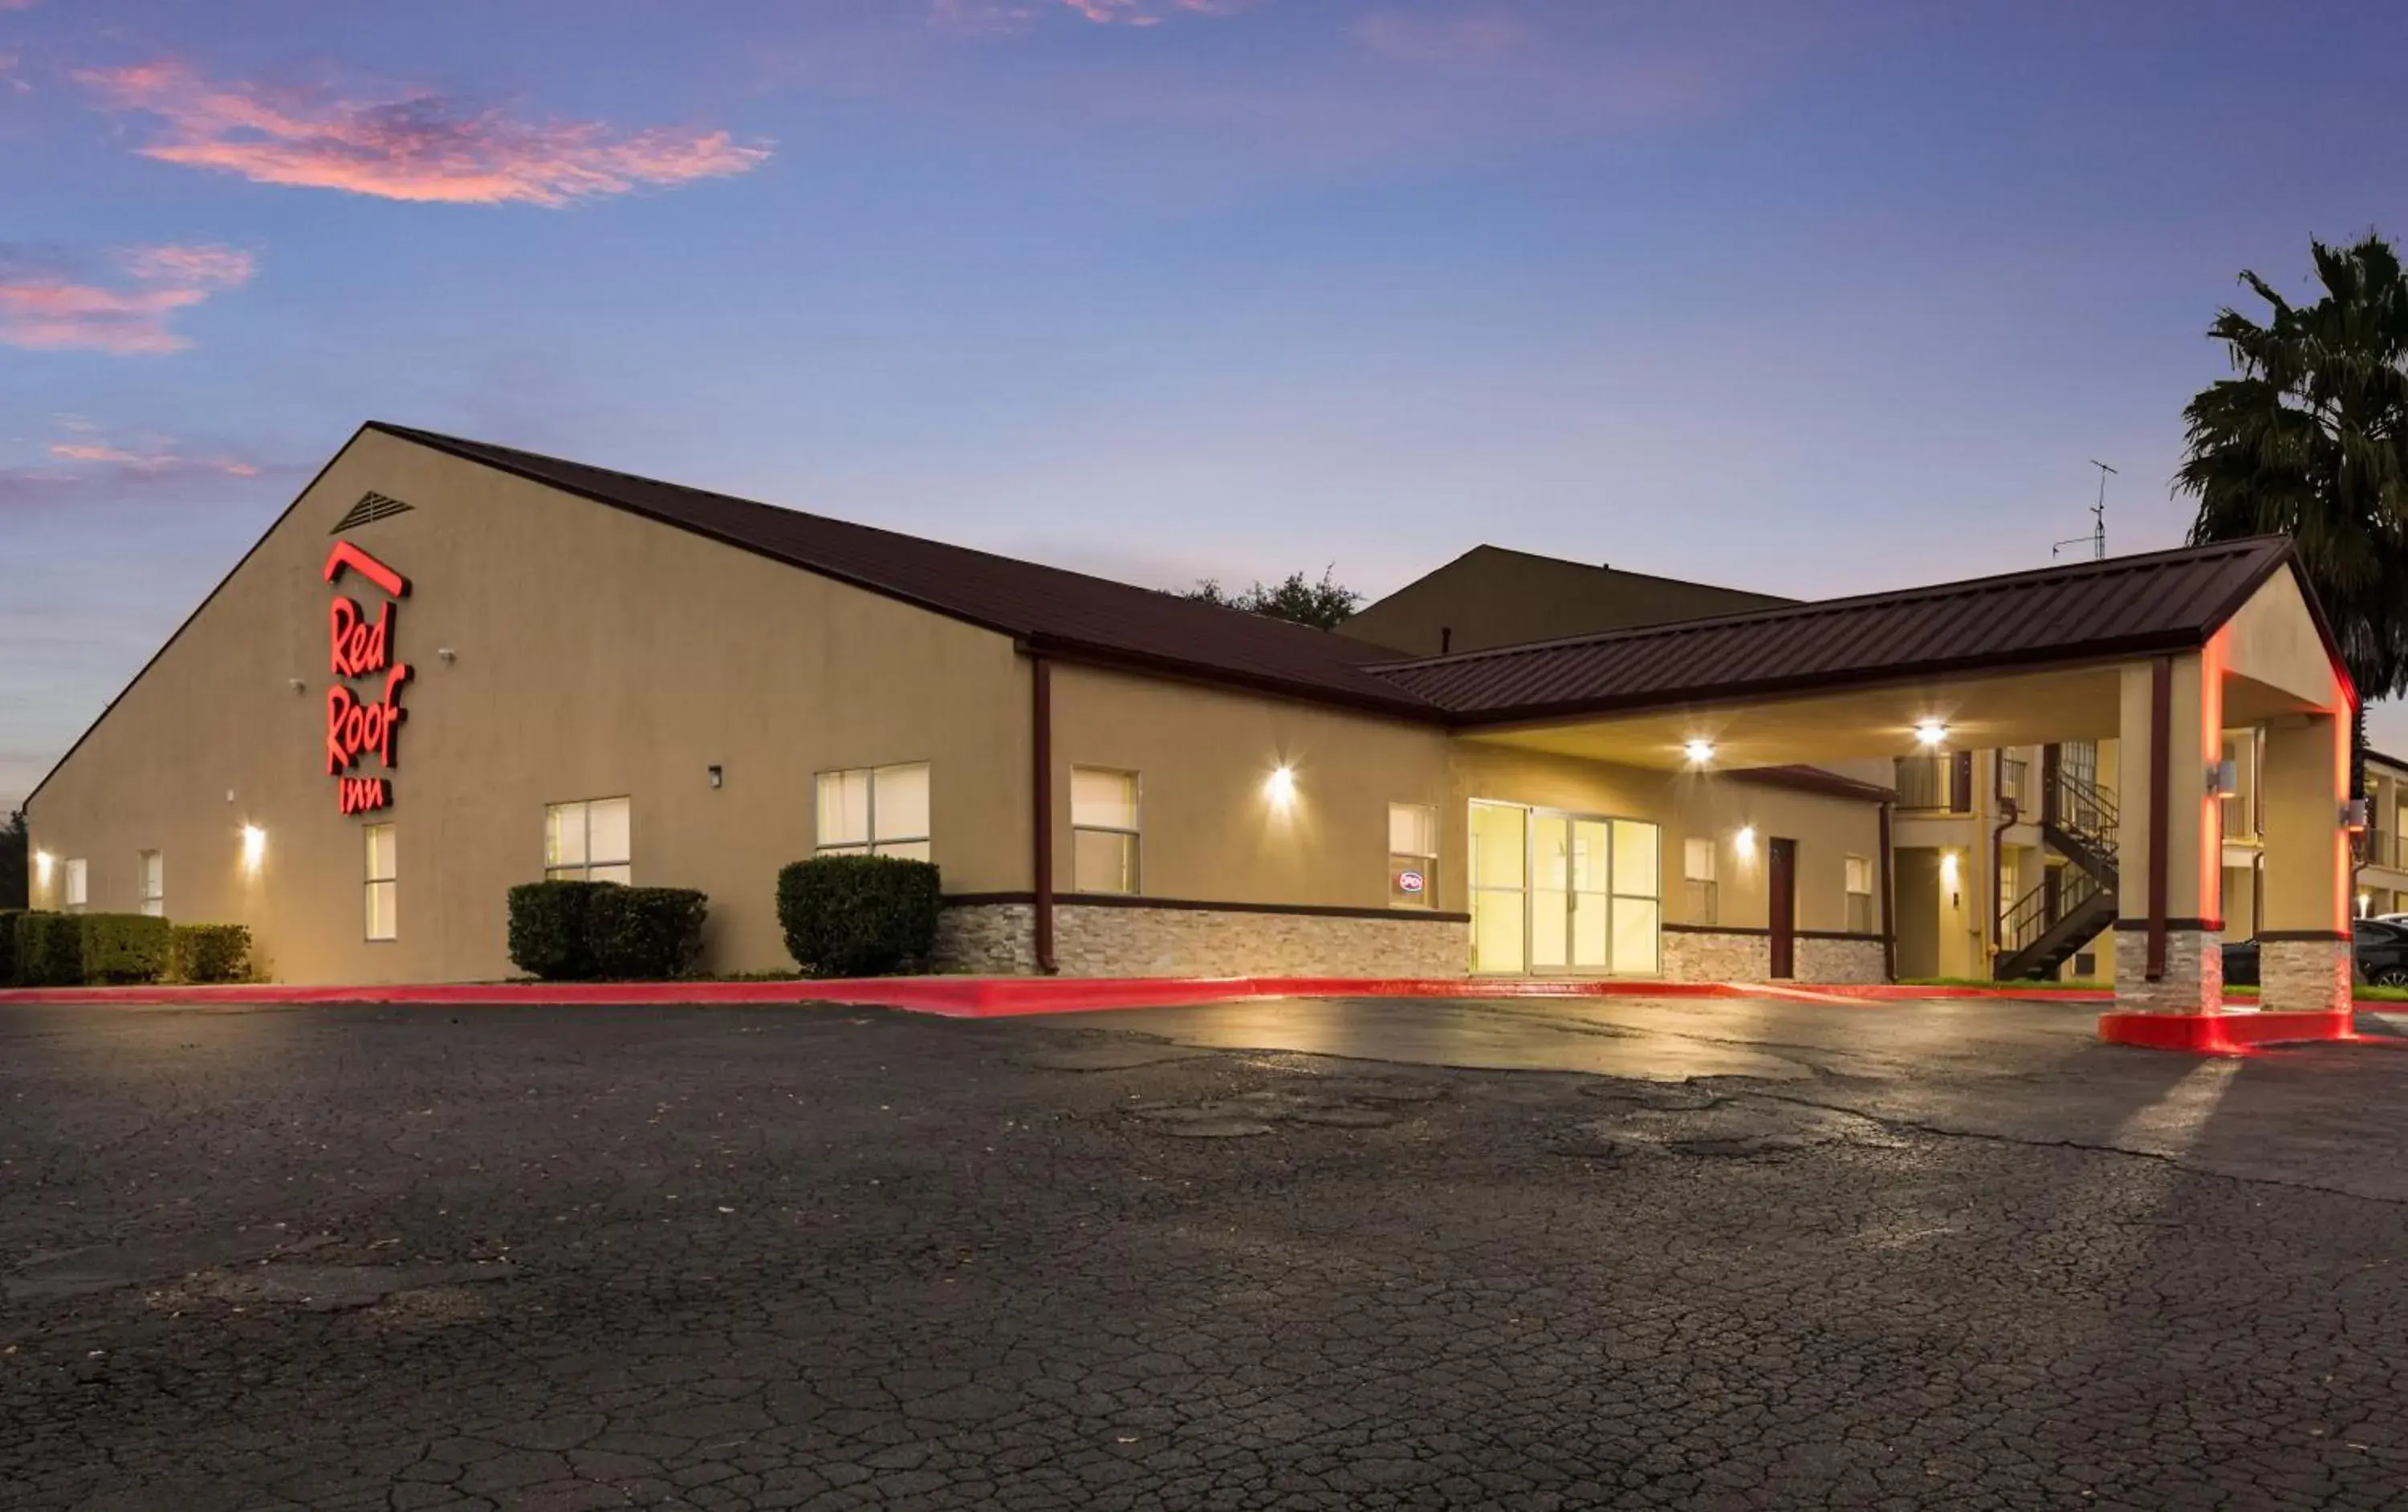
(358, 647)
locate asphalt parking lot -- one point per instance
(1630, 1253)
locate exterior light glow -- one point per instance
(1948, 868)
(42, 867)
(1931, 733)
(254, 847)
(1281, 787)
(1698, 751)
(1743, 843)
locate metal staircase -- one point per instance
(2053, 922)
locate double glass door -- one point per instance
(1555, 891)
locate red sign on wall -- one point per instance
(366, 720)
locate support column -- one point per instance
(2304, 947)
(2169, 953)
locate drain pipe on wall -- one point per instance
(2007, 817)
(1041, 761)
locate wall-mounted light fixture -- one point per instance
(254, 847)
(42, 859)
(2223, 779)
(1279, 787)
(1744, 842)
(2353, 815)
(717, 776)
(1699, 752)
(1930, 734)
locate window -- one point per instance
(153, 876)
(1103, 830)
(76, 878)
(1860, 895)
(875, 811)
(383, 885)
(587, 842)
(1698, 875)
(1412, 856)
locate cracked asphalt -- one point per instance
(1624, 1253)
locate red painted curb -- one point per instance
(2222, 1033)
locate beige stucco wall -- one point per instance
(1204, 756)
(598, 654)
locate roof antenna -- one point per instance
(2097, 536)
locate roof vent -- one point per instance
(371, 508)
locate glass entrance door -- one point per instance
(1501, 880)
(1554, 891)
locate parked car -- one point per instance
(2379, 945)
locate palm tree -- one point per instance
(2310, 440)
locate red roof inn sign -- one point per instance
(361, 652)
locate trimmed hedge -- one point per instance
(49, 950)
(119, 949)
(210, 952)
(859, 916)
(548, 930)
(644, 933)
(579, 931)
(9, 917)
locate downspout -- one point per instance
(2007, 818)
(2161, 714)
(1041, 805)
(1888, 919)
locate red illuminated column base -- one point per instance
(2220, 1033)
(2191, 982)
(2303, 976)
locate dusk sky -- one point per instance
(1798, 297)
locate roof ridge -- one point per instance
(454, 445)
(1805, 607)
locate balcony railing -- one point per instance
(2378, 847)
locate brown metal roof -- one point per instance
(2122, 607)
(1049, 609)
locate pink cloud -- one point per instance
(405, 144)
(1012, 15)
(1436, 39)
(151, 462)
(45, 306)
(97, 469)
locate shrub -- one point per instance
(49, 950)
(125, 948)
(858, 916)
(549, 937)
(644, 933)
(9, 917)
(210, 952)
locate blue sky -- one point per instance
(1808, 298)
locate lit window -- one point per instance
(1412, 856)
(1860, 895)
(77, 877)
(383, 883)
(1103, 830)
(153, 876)
(875, 811)
(1698, 879)
(587, 842)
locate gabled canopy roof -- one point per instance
(2163, 601)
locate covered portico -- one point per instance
(2165, 656)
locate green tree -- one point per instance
(15, 855)
(1323, 605)
(2309, 439)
